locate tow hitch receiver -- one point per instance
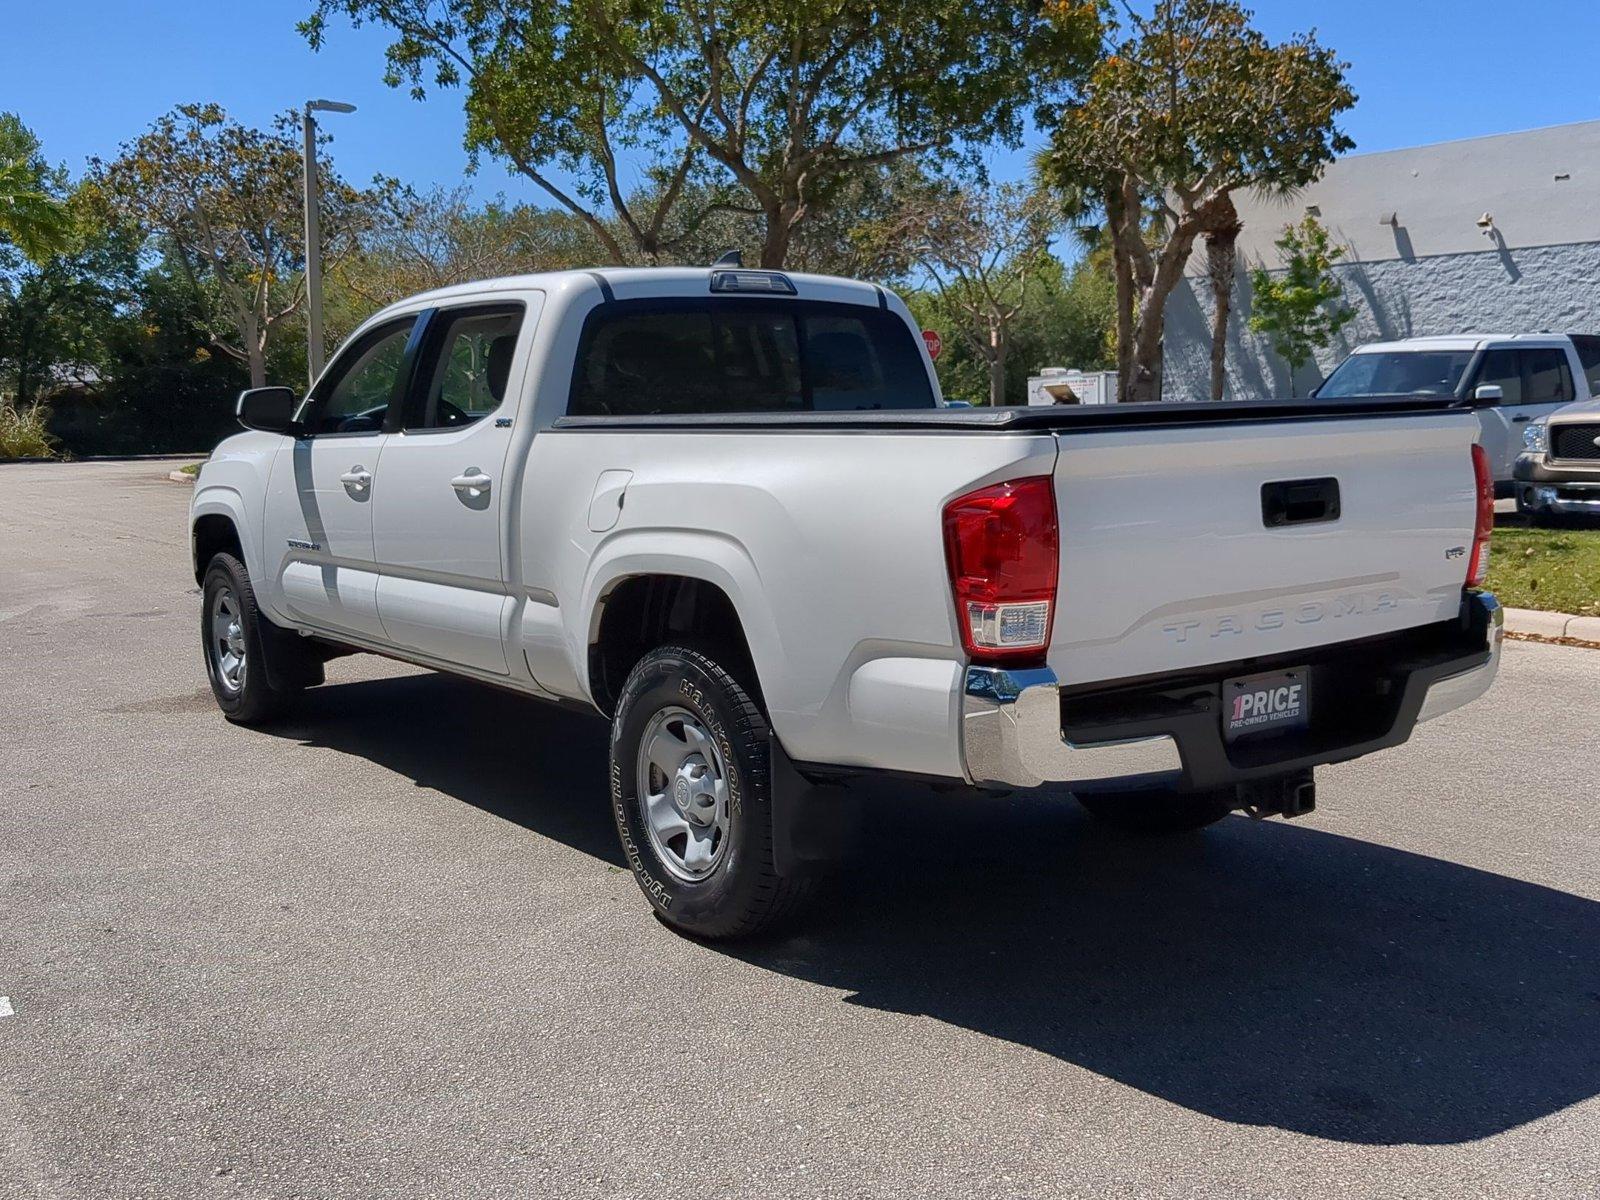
(1292, 795)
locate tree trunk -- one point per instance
(1222, 245)
(997, 366)
(258, 363)
(1149, 339)
(779, 223)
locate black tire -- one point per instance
(683, 695)
(1159, 813)
(275, 666)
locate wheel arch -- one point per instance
(216, 524)
(641, 600)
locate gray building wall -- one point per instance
(1417, 262)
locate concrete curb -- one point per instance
(1529, 622)
(181, 477)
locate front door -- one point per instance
(320, 500)
(1535, 381)
(437, 521)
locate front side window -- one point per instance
(1547, 377)
(1502, 369)
(355, 393)
(466, 366)
(1397, 373)
(639, 358)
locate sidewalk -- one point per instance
(1529, 622)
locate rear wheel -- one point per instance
(1159, 813)
(692, 798)
(255, 668)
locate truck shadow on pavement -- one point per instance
(1266, 974)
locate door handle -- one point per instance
(472, 481)
(1519, 420)
(356, 477)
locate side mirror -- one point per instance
(269, 409)
(1488, 393)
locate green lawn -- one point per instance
(1553, 569)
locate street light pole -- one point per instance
(313, 201)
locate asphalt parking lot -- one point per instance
(390, 949)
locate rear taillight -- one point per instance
(1478, 569)
(1001, 547)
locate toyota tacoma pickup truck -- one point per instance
(729, 511)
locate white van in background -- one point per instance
(1513, 380)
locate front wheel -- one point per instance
(1159, 813)
(237, 642)
(692, 797)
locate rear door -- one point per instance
(1176, 551)
(320, 501)
(437, 522)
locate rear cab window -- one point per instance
(713, 355)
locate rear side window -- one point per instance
(1589, 356)
(466, 366)
(642, 358)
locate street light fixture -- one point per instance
(308, 125)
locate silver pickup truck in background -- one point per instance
(1512, 381)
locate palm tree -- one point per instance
(32, 216)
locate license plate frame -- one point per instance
(1269, 703)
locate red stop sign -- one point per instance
(934, 341)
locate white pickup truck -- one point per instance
(728, 510)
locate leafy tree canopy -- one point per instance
(33, 212)
(1300, 309)
(766, 105)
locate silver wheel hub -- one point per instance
(683, 793)
(225, 640)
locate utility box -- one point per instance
(1058, 385)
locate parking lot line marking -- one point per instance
(5, 1007)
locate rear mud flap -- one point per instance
(813, 824)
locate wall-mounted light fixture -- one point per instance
(1390, 218)
(1486, 223)
(1313, 210)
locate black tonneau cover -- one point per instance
(1060, 418)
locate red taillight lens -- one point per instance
(1002, 549)
(1478, 570)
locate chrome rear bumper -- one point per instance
(1011, 736)
(1012, 733)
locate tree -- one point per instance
(761, 107)
(421, 241)
(1300, 310)
(33, 211)
(979, 248)
(224, 202)
(57, 316)
(1185, 107)
(1067, 319)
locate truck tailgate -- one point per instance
(1168, 560)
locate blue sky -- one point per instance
(88, 74)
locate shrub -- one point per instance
(22, 432)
